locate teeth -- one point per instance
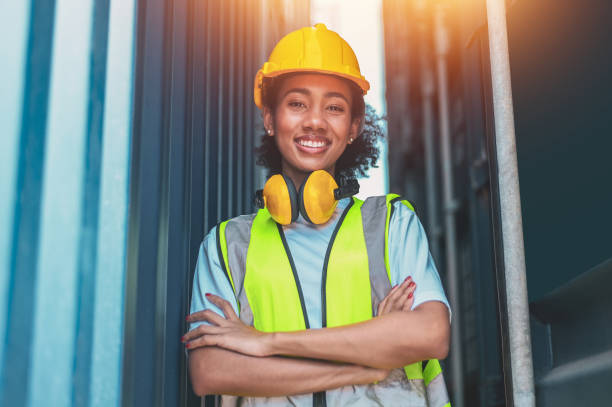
(311, 143)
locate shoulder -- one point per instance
(211, 237)
(403, 218)
(247, 218)
(402, 208)
(236, 229)
(235, 221)
(396, 204)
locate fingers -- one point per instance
(395, 294)
(383, 307)
(400, 297)
(208, 316)
(408, 304)
(201, 331)
(224, 305)
(388, 302)
(204, 340)
(407, 298)
(204, 335)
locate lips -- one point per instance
(312, 144)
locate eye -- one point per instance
(336, 108)
(296, 104)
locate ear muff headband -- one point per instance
(293, 198)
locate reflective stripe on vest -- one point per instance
(246, 244)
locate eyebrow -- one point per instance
(306, 92)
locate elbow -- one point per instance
(203, 380)
(440, 351)
(433, 343)
(439, 339)
(202, 383)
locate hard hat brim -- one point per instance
(363, 84)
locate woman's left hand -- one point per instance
(229, 332)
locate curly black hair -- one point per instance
(358, 156)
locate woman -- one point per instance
(265, 282)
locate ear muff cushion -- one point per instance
(293, 198)
(277, 197)
(317, 201)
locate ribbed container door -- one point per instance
(65, 126)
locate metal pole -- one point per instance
(450, 205)
(427, 92)
(510, 207)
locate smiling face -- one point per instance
(312, 123)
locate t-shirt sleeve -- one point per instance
(210, 278)
(409, 256)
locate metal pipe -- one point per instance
(517, 308)
(427, 94)
(449, 202)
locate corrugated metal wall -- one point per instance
(195, 129)
(127, 132)
(560, 58)
(563, 107)
(65, 120)
(413, 97)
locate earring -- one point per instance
(269, 132)
(351, 140)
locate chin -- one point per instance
(313, 167)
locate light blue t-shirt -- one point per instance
(408, 256)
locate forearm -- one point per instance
(215, 370)
(389, 341)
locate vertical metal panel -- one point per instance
(14, 18)
(106, 347)
(183, 179)
(221, 79)
(27, 196)
(470, 109)
(140, 316)
(206, 65)
(86, 278)
(242, 99)
(174, 244)
(230, 133)
(194, 165)
(68, 177)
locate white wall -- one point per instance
(360, 23)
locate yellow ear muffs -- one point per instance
(317, 198)
(280, 197)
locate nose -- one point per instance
(315, 120)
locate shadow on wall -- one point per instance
(561, 56)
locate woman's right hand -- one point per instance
(400, 298)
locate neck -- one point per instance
(298, 176)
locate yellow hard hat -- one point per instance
(311, 49)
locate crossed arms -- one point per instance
(229, 357)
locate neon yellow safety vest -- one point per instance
(259, 266)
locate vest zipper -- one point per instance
(319, 399)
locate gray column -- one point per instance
(510, 207)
